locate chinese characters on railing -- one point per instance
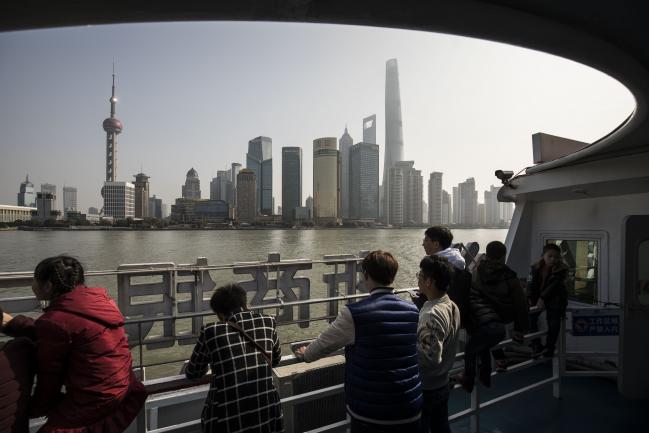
(155, 293)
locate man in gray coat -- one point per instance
(437, 340)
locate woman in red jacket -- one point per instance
(81, 344)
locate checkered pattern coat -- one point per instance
(242, 397)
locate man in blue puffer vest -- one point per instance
(379, 333)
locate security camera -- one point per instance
(504, 175)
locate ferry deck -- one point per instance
(599, 193)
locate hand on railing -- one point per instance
(5, 319)
(299, 353)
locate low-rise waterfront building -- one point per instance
(10, 214)
(204, 210)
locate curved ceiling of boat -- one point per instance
(609, 36)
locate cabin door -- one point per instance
(634, 336)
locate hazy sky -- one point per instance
(193, 94)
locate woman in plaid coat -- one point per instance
(242, 397)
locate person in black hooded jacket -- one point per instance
(546, 289)
(496, 299)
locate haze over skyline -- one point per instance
(194, 94)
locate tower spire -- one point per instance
(113, 99)
(112, 126)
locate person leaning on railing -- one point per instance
(17, 370)
(546, 289)
(241, 350)
(379, 333)
(438, 335)
(81, 344)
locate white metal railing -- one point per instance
(472, 412)
(148, 419)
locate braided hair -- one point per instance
(64, 272)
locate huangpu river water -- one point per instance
(106, 250)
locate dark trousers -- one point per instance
(434, 413)
(479, 345)
(358, 426)
(553, 317)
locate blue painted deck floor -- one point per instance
(591, 405)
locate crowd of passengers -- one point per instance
(398, 352)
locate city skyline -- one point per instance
(434, 124)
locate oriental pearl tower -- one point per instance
(112, 126)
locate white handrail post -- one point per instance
(474, 419)
(558, 361)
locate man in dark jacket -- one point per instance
(382, 385)
(501, 287)
(546, 289)
(496, 299)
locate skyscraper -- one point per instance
(456, 206)
(246, 196)
(48, 188)
(435, 199)
(221, 185)
(234, 171)
(291, 181)
(468, 203)
(26, 194)
(447, 210)
(119, 199)
(482, 214)
(308, 203)
(346, 143)
(45, 207)
(118, 196)
(155, 207)
(192, 187)
(492, 207)
(141, 195)
(259, 159)
(69, 200)
(369, 129)
(326, 180)
(112, 126)
(364, 181)
(393, 127)
(506, 212)
(406, 194)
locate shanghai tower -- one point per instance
(393, 128)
